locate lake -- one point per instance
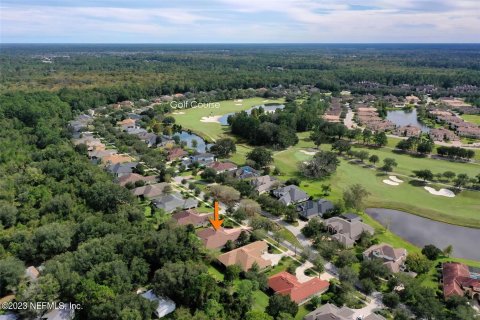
(267, 108)
(421, 231)
(406, 117)
(189, 137)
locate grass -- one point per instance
(215, 273)
(460, 210)
(290, 237)
(260, 300)
(473, 118)
(212, 130)
(282, 265)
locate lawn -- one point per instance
(215, 273)
(260, 300)
(473, 118)
(190, 119)
(282, 265)
(460, 210)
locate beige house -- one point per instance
(246, 256)
(393, 259)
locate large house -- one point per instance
(245, 172)
(458, 280)
(221, 167)
(191, 216)
(287, 284)
(332, 312)
(246, 256)
(126, 124)
(407, 131)
(217, 239)
(314, 208)
(393, 259)
(347, 232)
(174, 201)
(116, 158)
(150, 191)
(442, 134)
(264, 184)
(175, 153)
(290, 195)
(121, 169)
(134, 177)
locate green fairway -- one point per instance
(461, 210)
(191, 118)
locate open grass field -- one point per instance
(461, 210)
(190, 118)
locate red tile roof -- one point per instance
(456, 276)
(175, 153)
(287, 284)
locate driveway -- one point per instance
(375, 303)
(300, 272)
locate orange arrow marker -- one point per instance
(216, 221)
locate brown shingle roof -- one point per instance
(134, 177)
(246, 256)
(217, 239)
(190, 216)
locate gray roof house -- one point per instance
(150, 191)
(149, 138)
(393, 259)
(264, 184)
(246, 172)
(170, 202)
(121, 169)
(164, 305)
(347, 232)
(201, 158)
(314, 208)
(290, 195)
(332, 312)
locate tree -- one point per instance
(417, 262)
(326, 189)
(391, 299)
(423, 174)
(449, 175)
(348, 275)
(318, 137)
(11, 272)
(208, 174)
(279, 303)
(380, 139)
(322, 165)
(362, 155)
(225, 194)
(448, 250)
(367, 136)
(373, 159)
(261, 156)
(8, 215)
(341, 146)
(389, 164)
(431, 252)
(250, 207)
(223, 148)
(345, 258)
(315, 301)
(52, 239)
(461, 180)
(425, 147)
(354, 196)
(257, 315)
(232, 273)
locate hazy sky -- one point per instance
(180, 21)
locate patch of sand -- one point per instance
(395, 179)
(211, 119)
(238, 104)
(390, 182)
(265, 100)
(238, 100)
(441, 192)
(179, 112)
(310, 153)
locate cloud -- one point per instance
(239, 21)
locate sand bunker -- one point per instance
(395, 179)
(441, 192)
(238, 100)
(179, 112)
(214, 119)
(265, 100)
(310, 153)
(238, 104)
(390, 182)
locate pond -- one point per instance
(421, 231)
(406, 117)
(189, 137)
(267, 108)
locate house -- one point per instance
(287, 284)
(331, 118)
(407, 131)
(150, 191)
(217, 239)
(442, 134)
(66, 313)
(32, 273)
(136, 131)
(264, 184)
(121, 169)
(246, 172)
(393, 259)
(314, 208)
(290, 195)
(176, 153)
(127, 124)
(351, 217)
(202, 159)
(221, 167)
(164, 306)
(347, 232)
(246, 256)
(149, 138)
(412, 99)
(170, 202)
(470, 132)
(458, 280)
(116, 158)
(134, 177)
(332, 312)
(100, 154)
(191, 216)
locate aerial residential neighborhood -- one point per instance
(248, 160)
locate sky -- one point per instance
(239, 21)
